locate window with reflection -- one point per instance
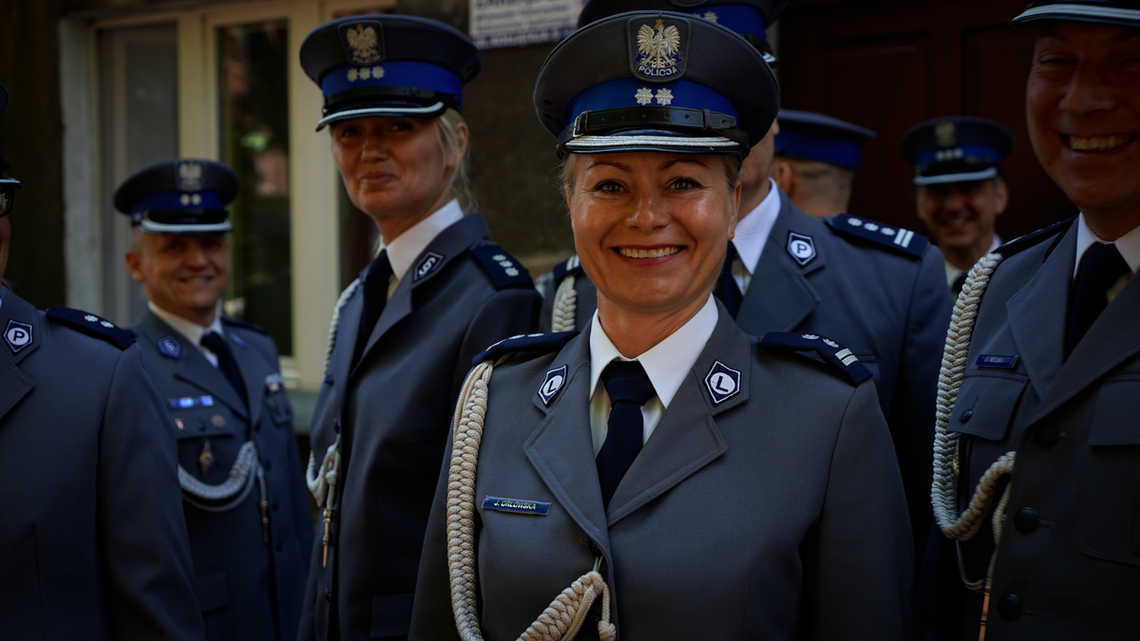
(253, 123)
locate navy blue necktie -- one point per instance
(375, 298)
(726, 288)
(629, 388)
(1101, 267)
(214, 342)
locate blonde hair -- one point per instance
(447, 126)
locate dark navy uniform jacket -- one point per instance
(393, 411)
(1068, 565)
(92, 540)
(886, 303)
(248, 588)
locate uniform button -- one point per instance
(201, 426)
(1009, 607)
(328, 594)
(594, 549)
(275, 506)
(965, 417)
(1026, 520)
(1048, 434)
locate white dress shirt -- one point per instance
(1128, 245)
(667, 363)
(408, 246)
(752, 234)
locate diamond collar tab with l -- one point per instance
(723, 382)
(18, 335)
(658, 48)
(555, 378)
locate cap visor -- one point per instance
(956, 177)
(368, 112)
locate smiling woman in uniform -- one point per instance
(436, 293)
(662, 475)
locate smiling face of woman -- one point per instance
(651, 229)
(396, 169)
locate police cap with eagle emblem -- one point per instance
(822, 138)
(956, 149)
(388, 65)
(182, 196)
(749, 18)
(656, 81)
(1124, 13)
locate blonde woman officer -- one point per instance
(436, 294)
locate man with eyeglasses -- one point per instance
(92, 540)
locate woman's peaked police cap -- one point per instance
(656, 81)
(388, 65)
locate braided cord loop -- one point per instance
(944, 488)
(565, 306)
(563, 618)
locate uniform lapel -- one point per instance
(687, 438)
(779, 296)
(14, 384)
(451, 243)
(254, 386)
(561, 449)
(1037, 315)
(1112, 339)
(348, 325)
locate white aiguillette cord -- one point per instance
(564, 617)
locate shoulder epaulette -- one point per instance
(503, 269)
(92, 325)
(831, 352)
(890, 237)
(569, 266)
(244, 325)
(1034, 238)
(525, 343)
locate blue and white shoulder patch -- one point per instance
(896, 238)
(92, 325)
(233, 322)
(831, 352)
(569, 266)
(503, 269)
(528, 343)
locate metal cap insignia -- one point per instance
(944, 133)
(189, 176)
(363, 42)
(658, 50)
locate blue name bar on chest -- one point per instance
(534, 508)
(997, 360)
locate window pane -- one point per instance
(253, 65)
(138, 72)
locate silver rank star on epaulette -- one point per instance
(508, 266)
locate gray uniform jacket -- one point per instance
(889, 306)
(1068, 566)
(392, 411)
(248, 588)
(92, 540)
(776, 514)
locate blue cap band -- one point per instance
(814, 147)
(176, 200)
(624, 92)
(961, 152)
(739, 18)
(423, 75)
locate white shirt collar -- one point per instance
(191, 330)
(667, 363)
(753, 230)
(1128, 245)
(404, 250)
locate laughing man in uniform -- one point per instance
(242, 487)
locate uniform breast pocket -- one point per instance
(986, 405)
(1108, 512)
(278, 406)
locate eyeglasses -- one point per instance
(8, 187)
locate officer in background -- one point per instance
(436, 293)
(815, 160)
(92, 543)
(243, 492)
(1053, 365)
(877, 289)
(959, 187)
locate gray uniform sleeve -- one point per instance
(858, 561)
(149, 574)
